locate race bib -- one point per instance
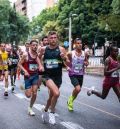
(15, 61)
(115, 74)
(33, 67)
(52, 63)
(78, 67)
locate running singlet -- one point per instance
(4, 56)
(52, 61)
(31, 65)
(14, 60)
(113, 64)
(77, 64)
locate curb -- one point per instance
(98, 73)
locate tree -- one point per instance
(13, 26)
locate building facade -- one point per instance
(30, 8)
(21, 6)
(51, 3)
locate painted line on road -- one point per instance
(70, 125)
(98, 109)
(20, 95)
(87, 88)
(41, 107)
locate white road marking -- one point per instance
(87, 105)
(70, 125)
(28, 99)
(87, 88)
(40, 107)
(20, 95)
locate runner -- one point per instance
(53, 56)
(13, 62)
(27, 45)
(31, 66)
(44, 41)
(111, 75)
(78, 61)
(4, 56)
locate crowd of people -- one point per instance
(42, 62)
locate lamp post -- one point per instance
(107, 28)
(70, 30)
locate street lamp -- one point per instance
(107, 28)
(70, 30)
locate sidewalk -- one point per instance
(97, 71)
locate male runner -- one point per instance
(4, 56)
(53, 56)
(78, 61)
(112, 65)
(31, 65)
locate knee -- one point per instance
(56, 94)
(34, 93)
(6, 79)
(78, 89)
(28, 95)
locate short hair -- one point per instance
(27, 43)
(52, 33)
(112, 46)
(33, 41)
(77, 39)
(44, 38)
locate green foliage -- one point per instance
(89, 24)
(116, 7)
(13, 26)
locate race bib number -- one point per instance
(52, 63)
(78, 67)
(15, 61)
(115, 74)
(33, 67)
(4, 62)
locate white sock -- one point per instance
(6, 89)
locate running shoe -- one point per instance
(70, 103)
(52, 118)
(30, 112)
(89, 92)
(45, 116)
(5, 93)
(12, 89)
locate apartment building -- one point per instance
(21, 6)
(30, 8)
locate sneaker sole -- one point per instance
(71, 110)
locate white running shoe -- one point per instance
(52, 118)
(45, 116)
(89, 92)
(30, 112)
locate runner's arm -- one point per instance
(109, 72)
(86, 62)
(20, 63)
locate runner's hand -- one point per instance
(63, 56)
(26, 74)
(41, 69)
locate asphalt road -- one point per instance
(89, 112)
